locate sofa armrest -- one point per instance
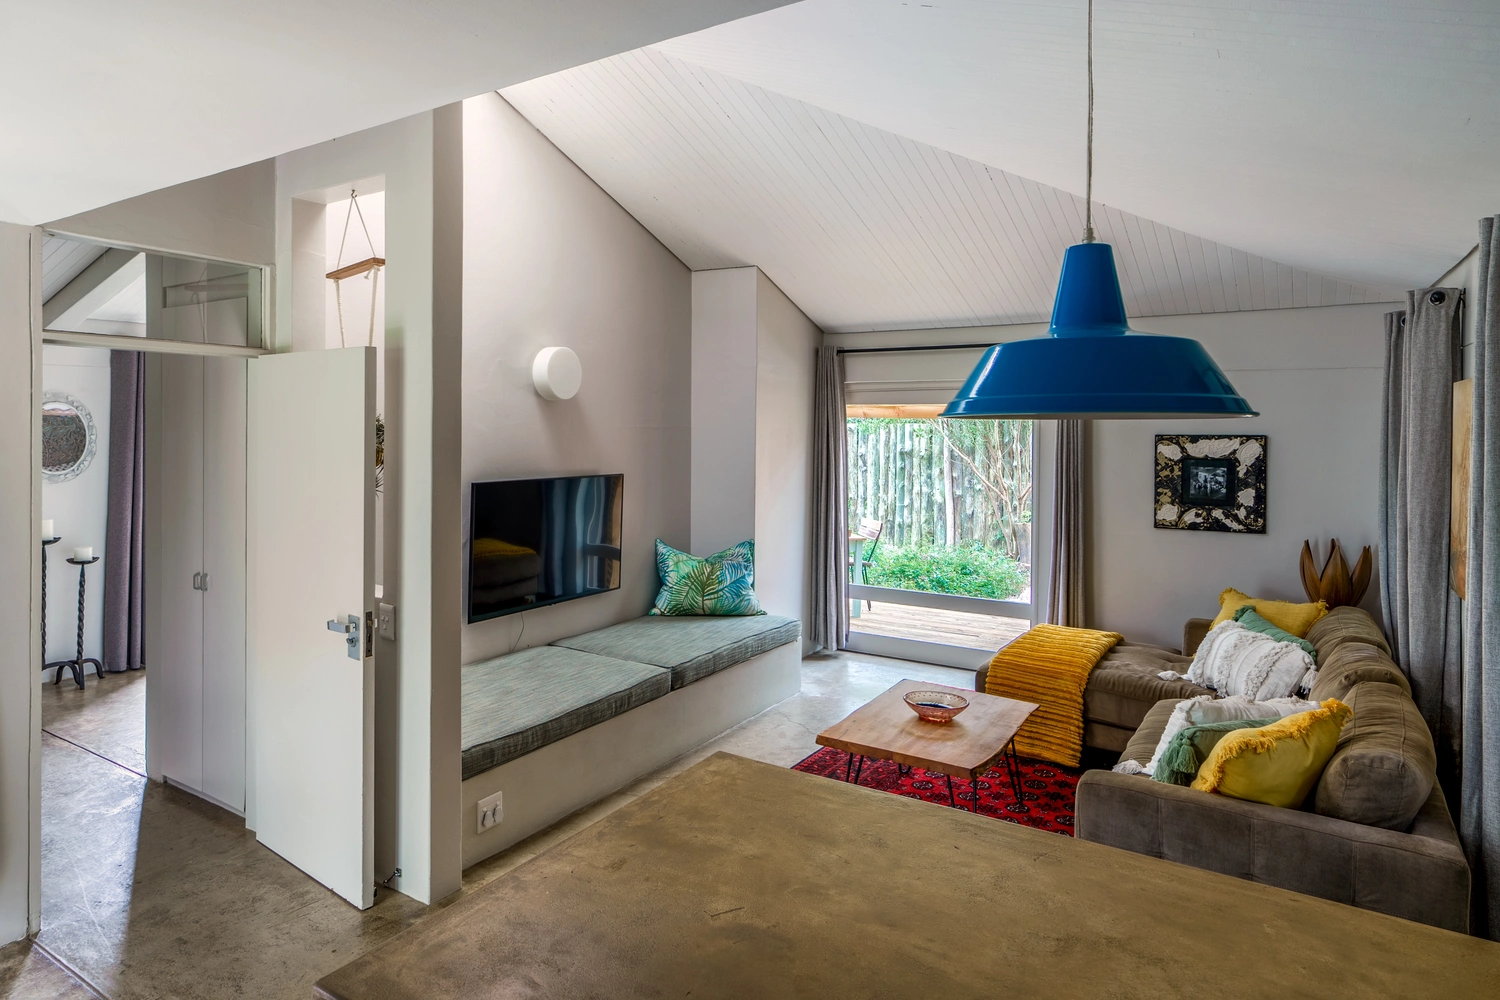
(1193, 633)
(1418, 877)
(981, 678)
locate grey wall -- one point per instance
(229, 216)
(724, 378)
(20, 567)
(1315, 376)
(550, 259)
(786, 350)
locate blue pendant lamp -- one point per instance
(1091, 364)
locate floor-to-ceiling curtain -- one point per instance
(1065, 598)
(123, 528)
(1479, 798)
(1423, 360)
(830, 605)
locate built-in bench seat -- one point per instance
(554, 728)
(690, 647)
(515, 704)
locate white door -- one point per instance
(311, 557)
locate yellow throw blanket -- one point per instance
(1050, 665)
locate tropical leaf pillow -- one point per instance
(720, 584)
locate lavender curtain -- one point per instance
(1065, 602)
(1423, 359)
(123, 584)
(830, 605)
(1479, 796)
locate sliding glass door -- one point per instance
(940, 533)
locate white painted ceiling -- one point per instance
(865, 229)
(1361, 140)
(105, 100)
(63, 260)
(907, 164)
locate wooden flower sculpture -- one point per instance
(1335, 586)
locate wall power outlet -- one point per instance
(491, 811)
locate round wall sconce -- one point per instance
(556, 373)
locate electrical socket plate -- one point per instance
(491, 811)
(387, 615)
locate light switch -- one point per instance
(491, 811)
(388, 621)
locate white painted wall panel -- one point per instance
(725, 408)
(864, 228)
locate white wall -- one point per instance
(80, 506)
(1315, 376)
(20, 569)
(418, 162)
(225, 216)
(550, 259)
(786, 358)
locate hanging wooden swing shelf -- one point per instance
(357, 268)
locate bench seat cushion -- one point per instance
(690, 647)
(515, 704)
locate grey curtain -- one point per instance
(123, 580)
(1065, 599)
(1479, 797)
(1423, 359)
(830, 605)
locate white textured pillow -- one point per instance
(1236, 661)
(1206, 708)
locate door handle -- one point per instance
(349, 628)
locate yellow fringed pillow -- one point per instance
(1277, 764)
(1293, 618)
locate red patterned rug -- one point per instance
(1047, 790)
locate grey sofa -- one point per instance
(1401, 857)
(1124, 685)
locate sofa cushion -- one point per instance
(690, 647)
(1294, 618)
(1142, 745)
(1124, 684)
(1355, 663)
(1385, 764)
(1180, 760)
(1345, 625)
(515, 704)
(1247, 617)
(1278, 764)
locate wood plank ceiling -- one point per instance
(863, 228)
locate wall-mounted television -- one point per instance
(535, 542)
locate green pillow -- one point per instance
(720, 584)
(1179, 762)
(1248, 617)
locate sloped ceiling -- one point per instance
(865, 229)
(106, 100)
(901, 164)
(1360, 139)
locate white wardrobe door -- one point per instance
(176, 679)
(224, 600)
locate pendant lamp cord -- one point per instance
(1088, 182)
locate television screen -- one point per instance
(534, 542)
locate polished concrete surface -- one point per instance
(149, 892)
(739, 879)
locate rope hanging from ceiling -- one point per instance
(370, 267)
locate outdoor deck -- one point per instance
(952, 628)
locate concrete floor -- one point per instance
(148, 892)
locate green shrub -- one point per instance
(967, 570)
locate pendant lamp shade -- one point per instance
(1092, 365)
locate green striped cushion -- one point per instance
(690, 647)
(515, 704)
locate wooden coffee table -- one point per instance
(887, 729)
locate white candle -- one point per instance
(47, 530)
(83, 553)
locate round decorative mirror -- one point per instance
(68, 437)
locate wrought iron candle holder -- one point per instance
(77, 664)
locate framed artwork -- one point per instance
(1211, 483)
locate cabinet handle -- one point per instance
(204, 588)
(197, 581)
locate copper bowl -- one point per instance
(936, 706)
